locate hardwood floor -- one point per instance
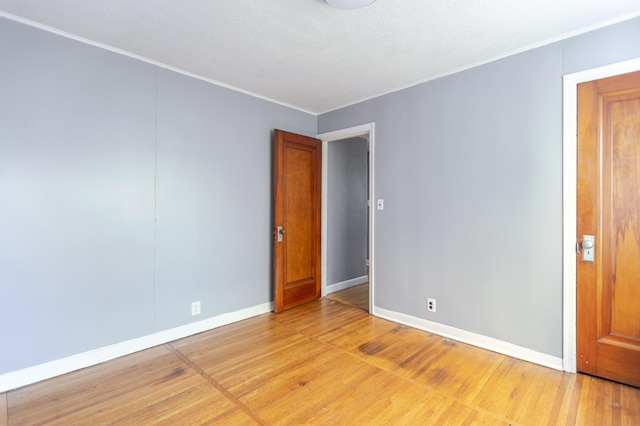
(322, 363)
(358, 295)
(3, 409)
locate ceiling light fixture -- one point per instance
(349, 4)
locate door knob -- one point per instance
(280, 233)
(588, 245)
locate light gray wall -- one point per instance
(214, 197)
(470, 167)
(346, 210)
(126, 192)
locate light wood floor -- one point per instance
(358, 295)
(323, 363)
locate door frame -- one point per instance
(569, 198)
(364, 131)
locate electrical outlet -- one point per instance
(195, 308)
(431, 305)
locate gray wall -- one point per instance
(126, 192)
(346, 210)
(470, 167)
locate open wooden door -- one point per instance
(608, 287)
(297, 197)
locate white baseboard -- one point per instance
(474, 339)
(346, 284)
(27, 376)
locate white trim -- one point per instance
(27, 376)
(569, 203)
(367, 131)
(331, 288)
(545, 42)
(147, 60)
(541, 43)
(474, 339)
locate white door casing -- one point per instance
(365, 131)
(569, 197)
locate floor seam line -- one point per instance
(413, 381)
(215, 384)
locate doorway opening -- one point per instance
(363, 132)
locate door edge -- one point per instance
(569, 198)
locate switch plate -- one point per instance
(380, 204)
(195, 308)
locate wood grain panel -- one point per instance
(299, 214)
(297, 210)
(608, 291)
(622, 112)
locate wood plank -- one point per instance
(258, 349)
(451, 367)
(106, 392)
(321, 363)
(527, 392)
(193, 407)
(4, 416)
(521, 391)
(312, 313)
(358, 296)
(317, 326)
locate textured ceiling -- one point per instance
(309, 55)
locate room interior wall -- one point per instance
(347, 210)
(470, 168)
(127, 191)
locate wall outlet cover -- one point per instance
(195, 308)
(431, 305)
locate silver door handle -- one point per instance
(588, 245)
(280, 233)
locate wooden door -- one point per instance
(297, 215)
(608, 289)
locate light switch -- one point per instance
(380, 204)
